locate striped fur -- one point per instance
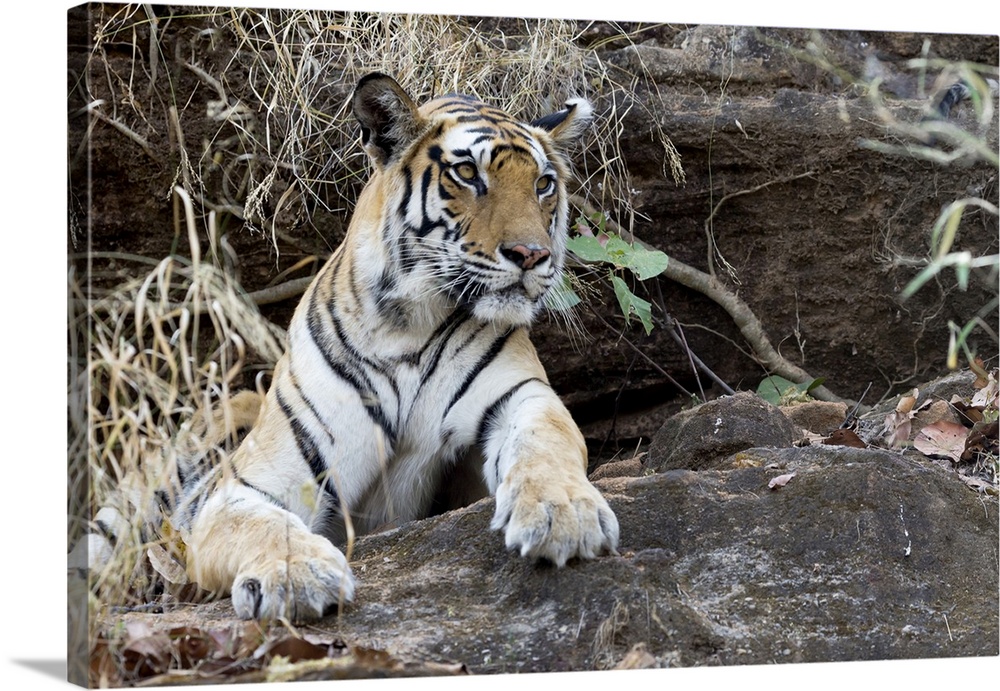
(409, 384)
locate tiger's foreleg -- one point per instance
(536, 465)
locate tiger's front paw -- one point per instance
(554, 520)
(302, 586)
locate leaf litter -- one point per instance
(137, 654)
(961, 432)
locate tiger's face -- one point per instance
(480, 198)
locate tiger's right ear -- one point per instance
(567, 124)
(388, 117)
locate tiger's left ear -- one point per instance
(569, 123)
(387, 115)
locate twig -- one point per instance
(710, 236)
(282, 291)
(677, 333)
(852, 416)
(749, 325)
(138, 139)
(643, 355)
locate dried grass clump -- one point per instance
(278, 138)
(165, 352)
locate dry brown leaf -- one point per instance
(845, 437)
(780, 480)
(986, 396)
(971, 413)
(942, 439)
(146, 652)
(898, 424)
(637, 658)
(293, 649)
(896, 429)
(981, 440)
(979, 368)
(906, 403)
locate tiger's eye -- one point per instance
(544, 184)
(465, 171)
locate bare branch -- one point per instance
(749, 325)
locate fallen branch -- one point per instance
(282, 291)
(749, 325)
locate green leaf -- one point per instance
(647, 263)
(619, 252)
(631, 304)
(777, 390)
(809, 386)
(587, 248)
(772, 388)
(642, 262)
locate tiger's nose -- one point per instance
(525, 256)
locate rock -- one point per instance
(960, 383)
(862, 555)
(631, 467)
(714, 568)
(704, 436)
(818, 417)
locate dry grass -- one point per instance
(161, 350)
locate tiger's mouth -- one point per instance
(515, 302)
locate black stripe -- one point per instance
(386, 284)
(511, 149)
(407, 193)
(491, 414)
(267, 495)
(425, 185)
(105, 530)
(374, 406)
(166, 500)
(309, 404)
(442, 335)
(308, 448)
(358, 380)
(480, 115)
(488, 357)
(490, 131)
(194, 508)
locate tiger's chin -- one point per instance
(507, 308)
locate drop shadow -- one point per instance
(50, 668)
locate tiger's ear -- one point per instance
(569, 123)
(388, 117)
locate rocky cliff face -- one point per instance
(780, 197)
(815, 230)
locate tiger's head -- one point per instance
(474, 202)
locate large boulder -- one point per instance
(859, 555)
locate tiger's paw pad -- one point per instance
(556, 523)
(301, 588)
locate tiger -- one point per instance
(408, 382)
